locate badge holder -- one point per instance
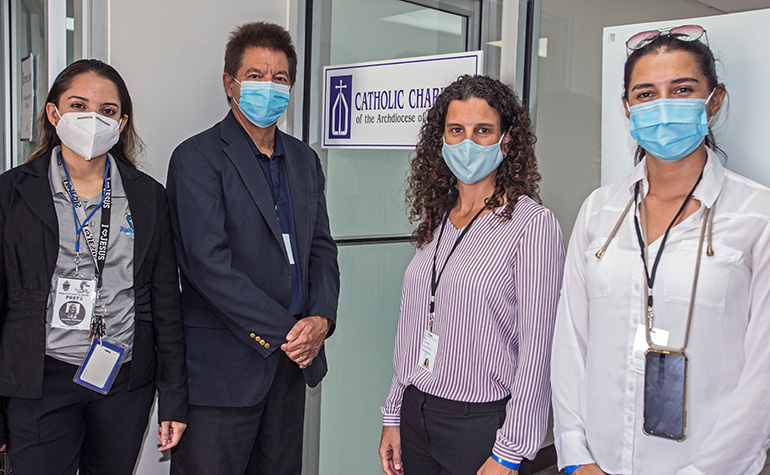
(101, 365)
(102, 362)
(74, 302)
(428, 350)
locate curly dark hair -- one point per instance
(432, 188)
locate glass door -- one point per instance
(29, 73)
(37, 39)
(365, 197)
(36, 44)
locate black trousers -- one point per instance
(73, 428)
(443, 437)
(261, 439)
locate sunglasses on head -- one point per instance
(681, 33)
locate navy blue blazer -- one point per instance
(236, 279)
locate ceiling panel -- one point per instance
(733, 6)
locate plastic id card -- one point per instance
(428, 351)
(100, 366)
(74, 303)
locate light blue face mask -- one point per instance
(471, 162)
(263, 102)
(669, 129)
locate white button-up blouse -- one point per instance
(597, 394)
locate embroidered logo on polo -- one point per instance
(128, 231)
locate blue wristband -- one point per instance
(571, 468)
(505, 463)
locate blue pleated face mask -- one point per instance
(263, 102)
(471, 162)
(669, 129)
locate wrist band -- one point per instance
(571, 468)
(505, 463)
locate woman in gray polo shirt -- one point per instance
(90, 317)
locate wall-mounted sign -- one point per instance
(27, 97)
(381, 104)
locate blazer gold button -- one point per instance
(252, 335)
(267, 345)
(262, 342)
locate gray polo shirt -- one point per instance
(71, 346)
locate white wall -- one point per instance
(171, 55)
(743, 65)
(569, 92)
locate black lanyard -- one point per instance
(98, 253)
(272, 183)
(651, 275)
(434, 279)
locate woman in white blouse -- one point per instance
(661, 361)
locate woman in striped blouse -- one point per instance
(470, 388)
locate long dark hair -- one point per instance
(665, 43)
(432, 186)
(129, 145)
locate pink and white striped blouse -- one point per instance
(495, 311)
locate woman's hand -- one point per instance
(390, 451)
(589, 469)
(491, 467)
(169, 434)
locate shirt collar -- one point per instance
(707, 190)
(277, 147)
(710, 185)
(56, 176)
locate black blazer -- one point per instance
(236, 279)
(30, 243)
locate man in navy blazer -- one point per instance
(259, 270)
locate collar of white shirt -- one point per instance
(707, 190)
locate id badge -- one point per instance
(100, 366)
(287, 243)
(659, 337)
(74, 303)
(428, 351)
(665, 391)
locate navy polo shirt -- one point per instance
(274, 168)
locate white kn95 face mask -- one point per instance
(88, 134)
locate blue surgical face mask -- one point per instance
(669, 129)
(471, 162)
(263, 102)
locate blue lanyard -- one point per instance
(79, 227)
